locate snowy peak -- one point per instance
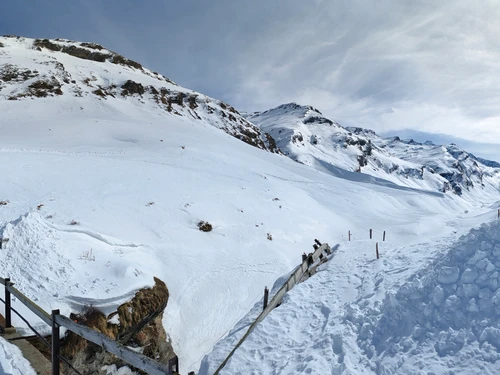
(308, 137)
(292, 108)
(52, 69)
(305, 113)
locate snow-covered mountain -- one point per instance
(108, 169)
(40, 68)
(308, 137)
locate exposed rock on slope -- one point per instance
(137, 323)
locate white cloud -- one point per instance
(387, 64)
(393, 65)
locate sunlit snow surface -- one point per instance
(102, 195)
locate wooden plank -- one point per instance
(135, 359)
(37, 310)
(2, 281)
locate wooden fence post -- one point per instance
(56, 344)
(8, 316)
(266, 297)
(376, 247)
(349, 235)
(384, 236)
(173, 365)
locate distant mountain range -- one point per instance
(41, 68)
(305, 135)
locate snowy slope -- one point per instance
(421, 309)
(12, 361)
(40, 68)
(101, 193)
(306, 136)
(108, 185)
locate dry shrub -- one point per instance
(205, 226)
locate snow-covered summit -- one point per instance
(308, 137)
(41, 68)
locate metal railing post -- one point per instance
(56, 344)
(8, 316)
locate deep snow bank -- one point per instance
(446, 317)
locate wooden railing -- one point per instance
(56, 320)
(296, 277)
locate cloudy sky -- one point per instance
(425, 68)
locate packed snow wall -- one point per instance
(447, 311)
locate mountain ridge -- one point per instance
(47, 68)
(308, 137)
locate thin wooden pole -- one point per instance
(384, 236)
(266, 297)
(55, 344)
(8, 316)
(349, 235)
(371, 232)
(376, 247)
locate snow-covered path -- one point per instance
(12, 361)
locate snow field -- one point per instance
(107, 186)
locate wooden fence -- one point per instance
(56, 320)
(296, 277)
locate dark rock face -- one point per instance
(130, 87)
(12, 73)
(317, 120)
(85, 53)
(137, 323)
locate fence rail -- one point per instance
(294, 279)
(55, 320)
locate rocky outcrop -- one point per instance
(136, 323)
